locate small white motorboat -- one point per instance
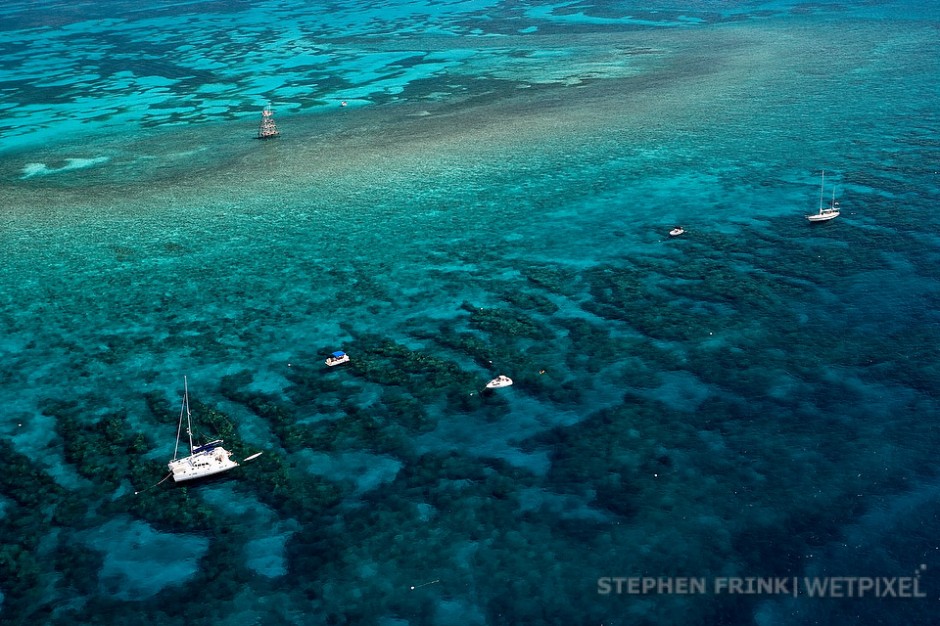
(499, 381)
(337, 358)
(675, 232)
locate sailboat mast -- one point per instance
(822, 186)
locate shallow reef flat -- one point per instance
(753, 398)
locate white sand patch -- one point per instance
(368, 471)
(139, 561)
(266, 554)
(41, 169)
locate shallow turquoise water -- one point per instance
(755, 398)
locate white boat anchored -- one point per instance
(499, 381)
(337, 358)
(825, 213)
(675, 232)
(204, 460)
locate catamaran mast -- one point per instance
(189, 426)
(189, 422)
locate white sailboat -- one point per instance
(205, 460)
(825, 213)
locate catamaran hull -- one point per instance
(201, 465)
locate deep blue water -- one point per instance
(756, 398)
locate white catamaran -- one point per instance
(205, 460)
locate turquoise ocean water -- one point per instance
(756, 398)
